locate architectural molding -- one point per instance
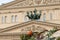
(10, 3)
(8, 12)
(43, 3)
(12, 12)
(31, 22)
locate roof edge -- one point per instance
(10, 3)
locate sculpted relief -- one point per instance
(35, 3)
(33, 28)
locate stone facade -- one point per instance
(14, 32)
(13, 17)
(9, 37)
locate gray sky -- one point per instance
(4, 1)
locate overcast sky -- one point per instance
(4, 1)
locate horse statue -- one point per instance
(33, 15)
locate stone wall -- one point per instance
(9, 37)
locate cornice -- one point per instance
(22, 11)
(10, 3)
(10, 34)
(28, 23)
(12, 12)
(52, 5)
(17, 1)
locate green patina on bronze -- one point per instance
(33, 15)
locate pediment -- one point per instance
(29, 3)
(31, 25)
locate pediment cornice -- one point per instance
(30, 3)
(30, 23)
(10, 3)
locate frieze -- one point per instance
(33, 28)
(35, 3)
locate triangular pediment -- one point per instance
(30, 3)
(31, 25)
